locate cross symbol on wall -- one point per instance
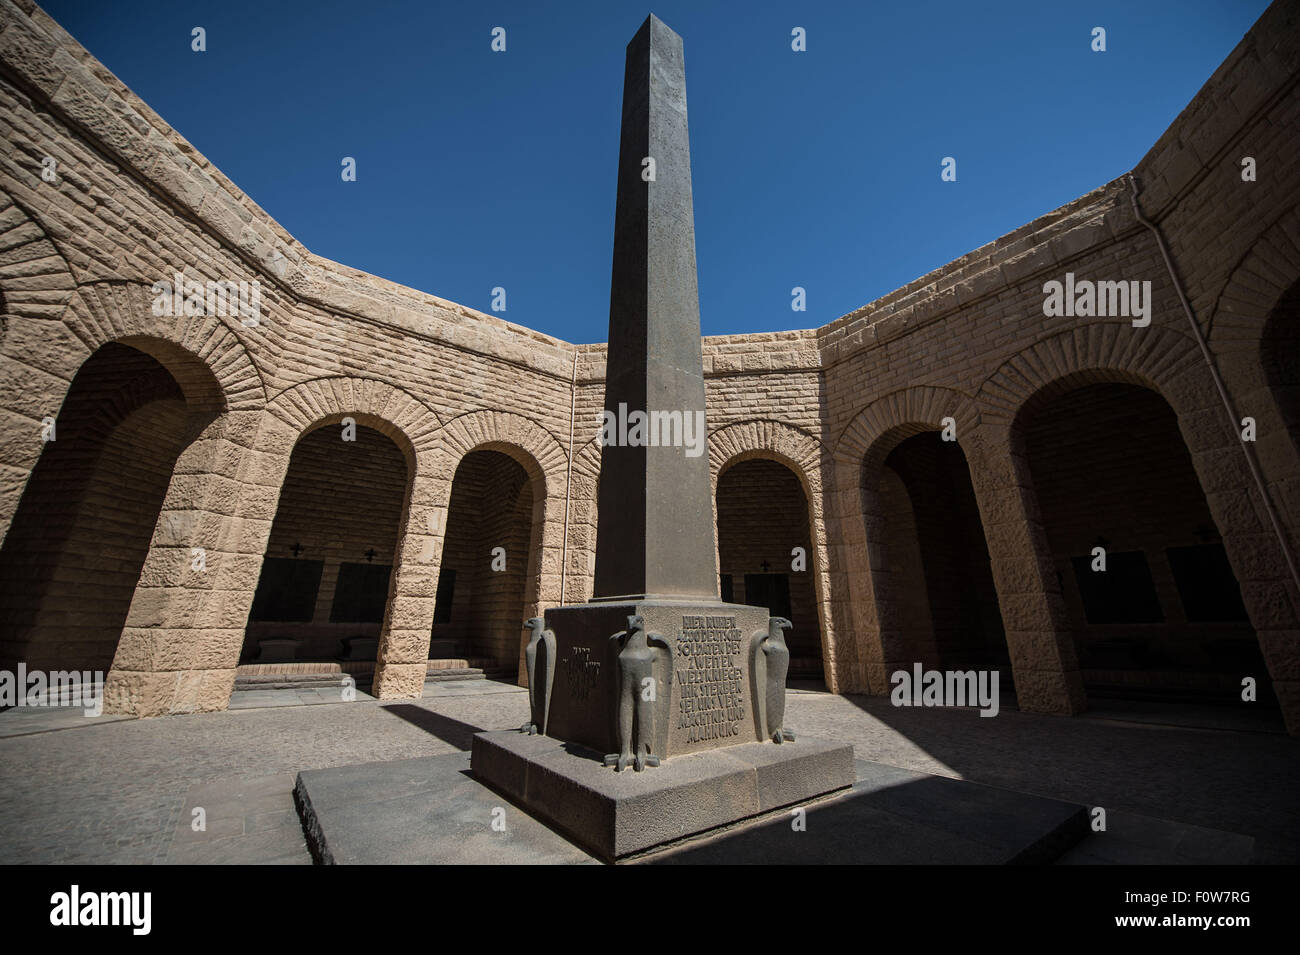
(370, 555)
(297, 549)
(766, 566)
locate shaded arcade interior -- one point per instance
(1164, 619)
(74, 552)
(932, 567)
(326, 573)
(487, 576)
(762, 513)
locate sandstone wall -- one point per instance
(134, 202)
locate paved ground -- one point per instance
(81, 789)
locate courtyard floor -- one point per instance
(115, 790)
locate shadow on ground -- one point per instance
(1237, 782)
(450, 731)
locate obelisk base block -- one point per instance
(614, 815)
(695, 679)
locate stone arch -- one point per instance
(544, 460)
(860, 451)
(806, 457)
(51, 328)
(318, 402)
(742, 440)
(1162, 360)
(122, 311)
(1168, 364)
(35, 279)
(1104, 351)
(522, 438)
(899, 415)
(411, 425)
(1261, 294)
(75, 549)
(1256, 284)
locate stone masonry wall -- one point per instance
(134, 203)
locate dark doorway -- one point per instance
(762, 518)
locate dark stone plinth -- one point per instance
(616, 814)
(705, 699)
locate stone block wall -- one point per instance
(134, 203)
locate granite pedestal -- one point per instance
(613, 815)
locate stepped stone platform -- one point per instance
(432, 810)
(289, 676)
(617, 814)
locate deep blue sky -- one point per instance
(819, 169)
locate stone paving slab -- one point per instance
(418, 812)
(247, 820)
(26, 720)
(110, 790)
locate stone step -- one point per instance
(296, 681)
(307, 675)
(463, 663)
(448, 674)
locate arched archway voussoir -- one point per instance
(765, 438)
(1099, 352)
(376, 404)
(522, 438)
(891, 418)
(1257, 283)
(35, 279)
(104, 312)
(586, 460)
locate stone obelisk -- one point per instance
(655, 531)
(655, 672)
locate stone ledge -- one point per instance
(616, 814)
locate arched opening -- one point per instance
(1162, 618)
(762, 518)
(487, 574)
(934, 562)
(1279, 355)
(328, 564)
(73, 555)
